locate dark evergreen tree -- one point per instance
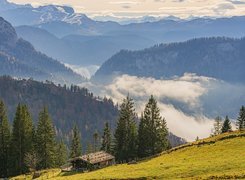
(96, 138)
(125, 147)
(61, 153)
(226, 125)
(22, 139)
(152, 130)
(241, 119)
(45, 141)
(76, 147)
(106, 139)
(4, 142)
(143, 138)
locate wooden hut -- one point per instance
(92, 161)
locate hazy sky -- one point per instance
(180, 8)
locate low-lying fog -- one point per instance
(188, 103)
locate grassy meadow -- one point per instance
(220, 157)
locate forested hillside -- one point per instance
(221, 58)
(67, 105)
(18, 58)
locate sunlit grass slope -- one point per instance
(221, 157)
(45, 174)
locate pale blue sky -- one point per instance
(180, 8)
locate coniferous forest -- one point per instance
(37, 133)
(67, 105)
(26, 146)
(122, 90)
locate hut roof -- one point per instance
(94, 158)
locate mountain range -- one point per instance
(79, 49)
(20, 59)
(73, 37)
(220, 58)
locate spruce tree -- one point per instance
(45, 141)
(226, 125)
(217, 126)
(106, 139)
(61, 153)
(4, 142)
(152, 130)
(22, 139)
(241, 119)
(125, 148)
(143, 138)
(95, 137)
(76, 147)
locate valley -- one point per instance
(122, 89)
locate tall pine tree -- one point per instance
(241, 119)
(4, 142)
(76, 147)
(106, 139)
(45, 141)
(125, 147)
(143, 138)
(96, 138)
(152, 130)
(226, 125)
(22, 139)
(61, 153)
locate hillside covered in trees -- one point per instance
(19, 58)
(67, 106)
(32, 137)
(221, 58)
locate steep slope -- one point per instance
(20, 56)
(214, 158)
(67, 106)
(221, 58)
(17, 69)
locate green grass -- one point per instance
(45, 174)
(220, 157)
